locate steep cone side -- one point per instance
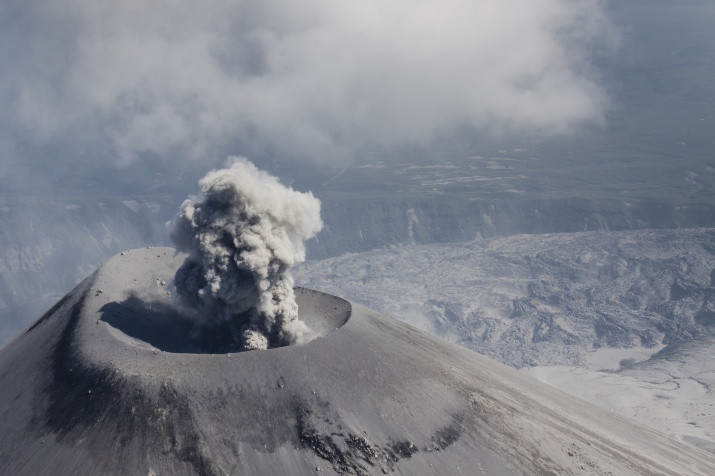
(108, 382)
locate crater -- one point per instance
(158, 325)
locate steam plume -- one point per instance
(317, 80)
(243, 234)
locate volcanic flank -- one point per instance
(111, 381)
(129, 374)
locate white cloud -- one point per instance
(316, 78)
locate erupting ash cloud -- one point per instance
(243, 234)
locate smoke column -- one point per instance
(242, 235)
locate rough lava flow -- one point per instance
(242, 234)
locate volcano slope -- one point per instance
(109, 381)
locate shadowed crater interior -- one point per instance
(159, 325)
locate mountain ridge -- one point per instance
(368, 395)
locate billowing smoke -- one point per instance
(242, 235)
(318, 80)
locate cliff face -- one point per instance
(110, 381)
(363, 224)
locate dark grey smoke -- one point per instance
(243, 234)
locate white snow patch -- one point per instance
(609, 358)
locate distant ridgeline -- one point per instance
(365, 223)
(49, 244)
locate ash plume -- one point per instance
(242, 235)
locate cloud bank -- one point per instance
(242, 235)
(322, 79)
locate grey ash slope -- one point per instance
(99, 384)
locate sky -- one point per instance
(107, 85)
